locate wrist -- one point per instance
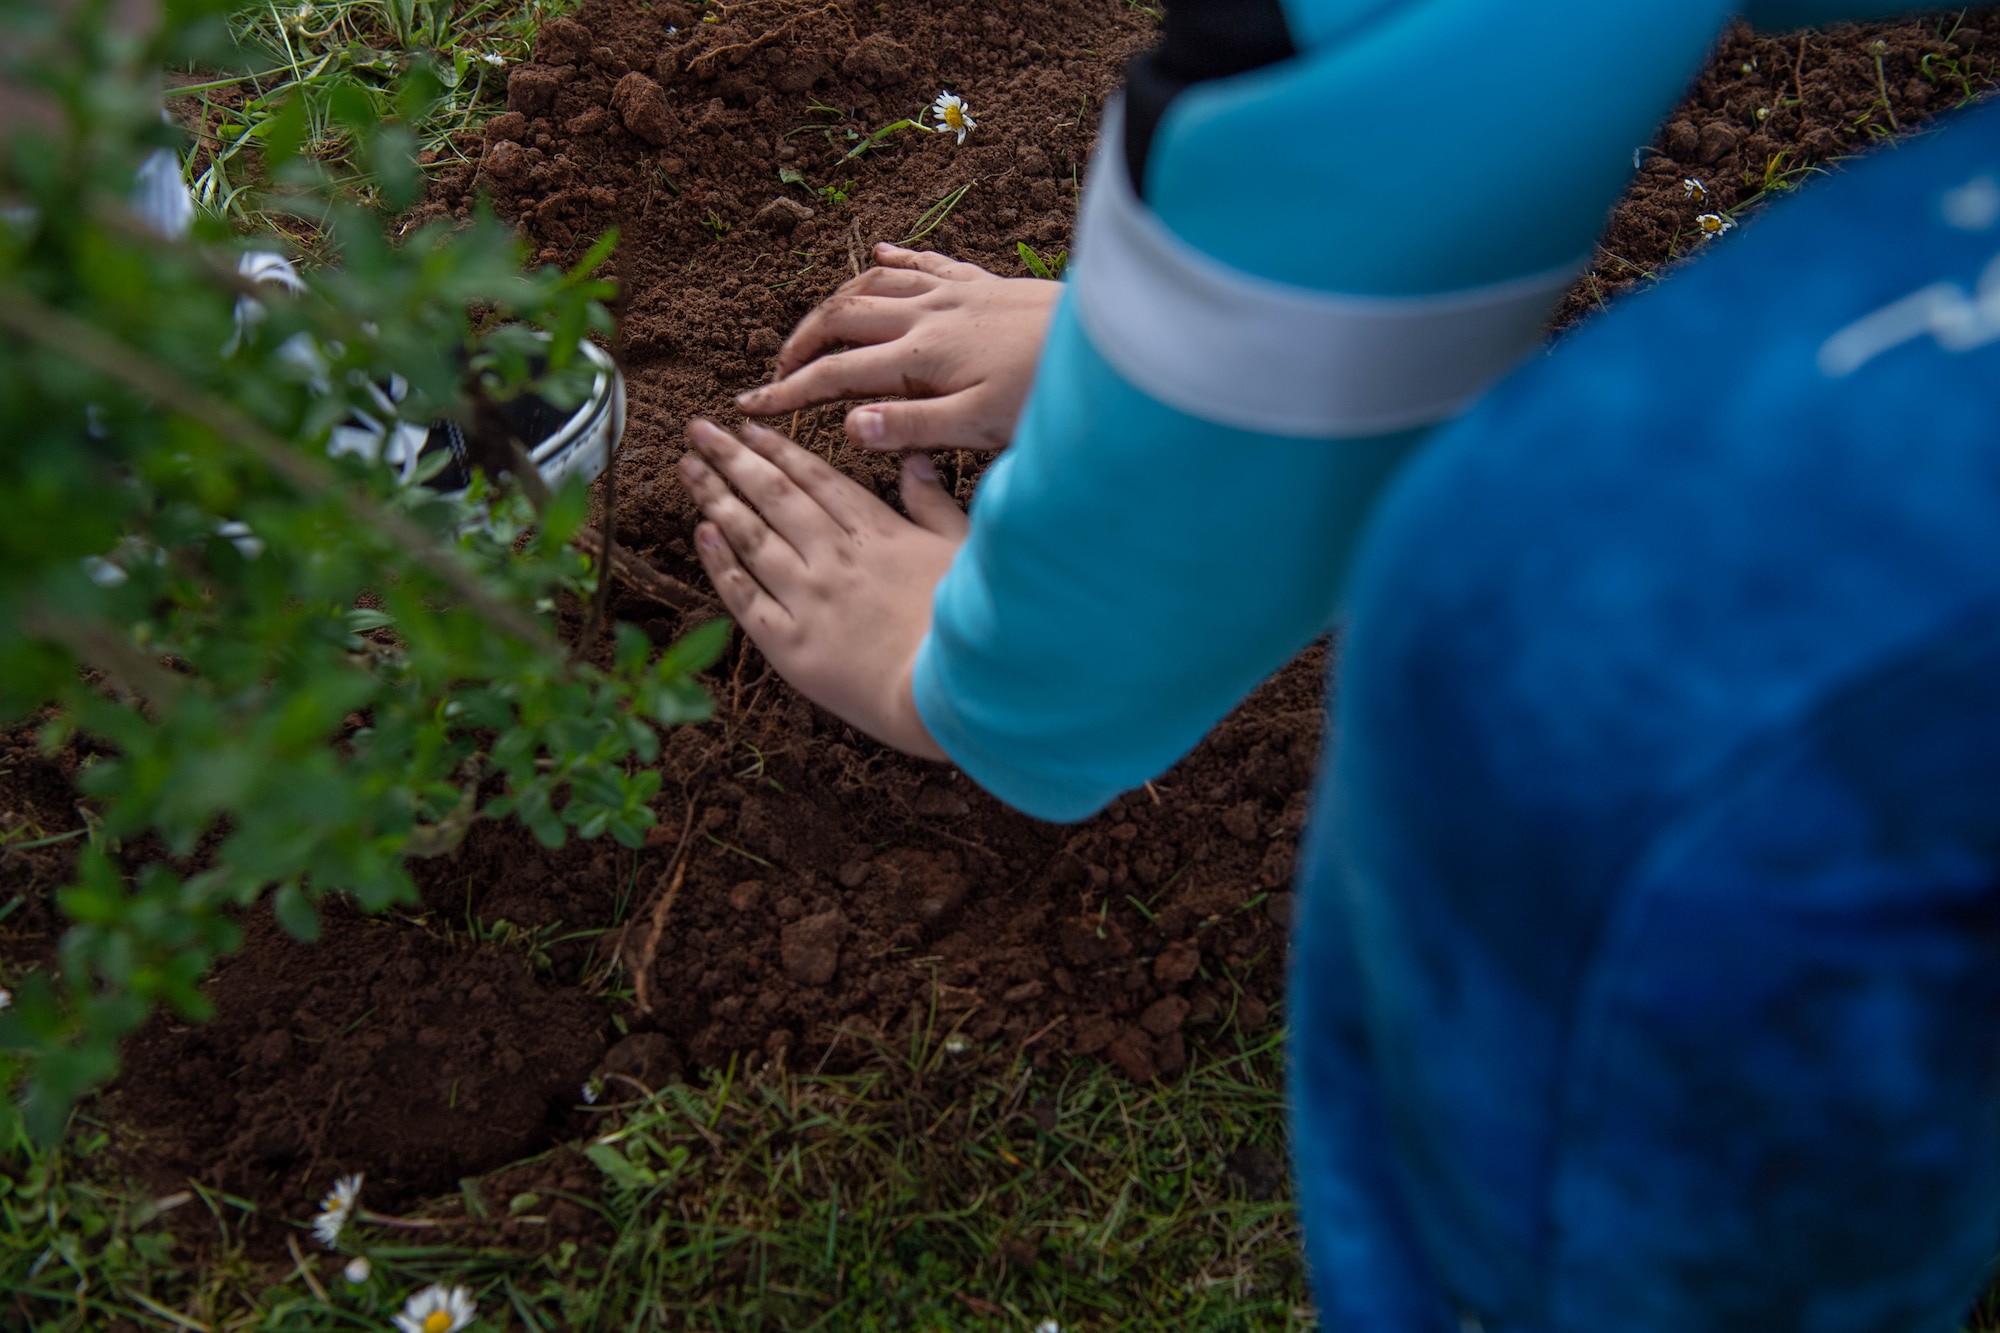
(906, 725)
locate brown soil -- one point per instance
(1769, 112)
(827, 895)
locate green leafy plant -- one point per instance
(1050, 268)
(716, 225)
(294, 671)
(833, 196)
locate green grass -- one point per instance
(325, 49)
(933, 1190)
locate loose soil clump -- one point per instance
(809, 896)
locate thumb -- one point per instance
(950, 422)
(925, 499)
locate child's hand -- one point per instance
(958, 341)
(833, 585)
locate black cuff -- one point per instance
(1205, 39)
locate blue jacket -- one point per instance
(1312, 269)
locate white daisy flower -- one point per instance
(590, 1093)
(436, 1310)
(956, 1045)
(1714, 224)
(494, 58)
(358, 1269)
(1048, 1326)
(335, 1209)
(1694, 190)
(953, 114)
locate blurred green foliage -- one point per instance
(290, 672)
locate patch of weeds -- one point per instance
(833, 196)
(715, 225)
(940, 1187)
(316, 53)
(1050, 268)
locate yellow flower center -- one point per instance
(954, 117)
(437, 1321)
(1711, 224)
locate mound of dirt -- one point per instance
(384, 1048)
(808, 893)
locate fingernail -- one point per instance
(692, 465)
(869, 426)
(749, 398)
(709, 539)
(922, 468)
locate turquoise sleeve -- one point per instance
(1132, 571)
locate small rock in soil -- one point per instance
(1276, 867)
(647, 1058)
(1132, 1055)
(507, 127)
(810, 948)
(643, 106)
(937, 802)
(781, 215)
(1177, 962)
(853, 874)
(568, 32)
(1021, 994)
(532, 89)
(1717, 142)
(507, 162)
(591, 120)
(1164, 1015)
(879, 61)
(1093, 1033)
(1243, 820)
(745, 896)
(1256, 1171)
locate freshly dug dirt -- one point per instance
(385, 1047)
(809, 894)
(1772, 110)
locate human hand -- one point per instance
(958, 342)
(830, 583)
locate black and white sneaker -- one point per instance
(560, 442)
